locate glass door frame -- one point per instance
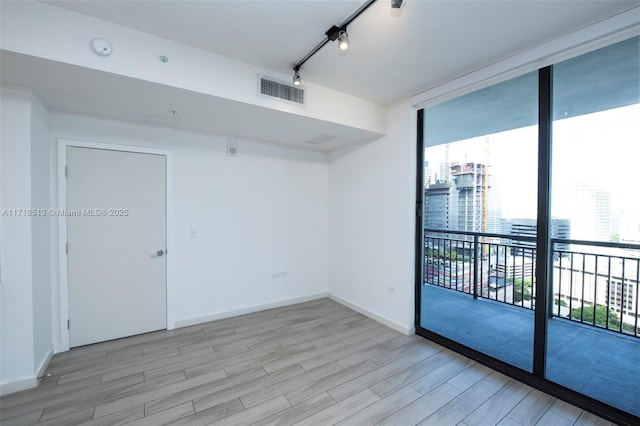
(544, 294)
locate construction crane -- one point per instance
(447, 164)
(485, 186)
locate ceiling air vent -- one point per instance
(281, 90)
(320, 139)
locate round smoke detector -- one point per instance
(101, 46)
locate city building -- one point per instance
(463, 203)
(438, 206)
(560, 228)
(587, 207)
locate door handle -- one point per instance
(158, 253)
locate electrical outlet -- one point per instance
(279, 275)
(193, 233)
(392, 289)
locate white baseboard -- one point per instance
(248, 310)
(27, 382)
(366, 312)
(18, 385)
(45, 363)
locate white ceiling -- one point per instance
(392, 56)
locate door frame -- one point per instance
(63, 294)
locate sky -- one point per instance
(600, 149)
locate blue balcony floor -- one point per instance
(598, 363)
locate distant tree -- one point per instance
(522, 290)
(615, 238)
(600, 313)
(561, 302)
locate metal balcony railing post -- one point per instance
(475, 266)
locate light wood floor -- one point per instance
(315, 363)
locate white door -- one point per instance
(116, 235)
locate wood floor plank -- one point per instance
(293, 382)
(330, 381)
(358, 327)
(204, 389)
(508, 421)
(293, 360)
(212, 414)
(298, 412)
(236, 391)
(566, 410)
(341, 410)
(462, 405)
(81, 402)
(28, 418)
(422, 407)
(493, 410)
(469, 376)
(119, 418)
(256, 335)
(152, 364)
(116, 359)
(369, 379)
(257, 412)
(278, 353)
(552, 419)
(312, 324)
(383, 408)
(385, 347)
(72, 419)
(337, 354)
(411, 350)
(408, 376)
(60, 400)
(207, 363)
(431, 380)
(165, 416)
(35, 394)
(141, 397)
(111, 365)
(532, 408)
(588, 419)
(416, 350)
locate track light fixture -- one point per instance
(343, 40)
(336, 32)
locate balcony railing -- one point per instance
(594, 283)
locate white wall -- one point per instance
(257, 214)
(41, 234)
(371, 223)
(16, 297)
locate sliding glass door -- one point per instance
(594, 340)
(529, 241)
(479, 229)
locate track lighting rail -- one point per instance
(330, 35)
